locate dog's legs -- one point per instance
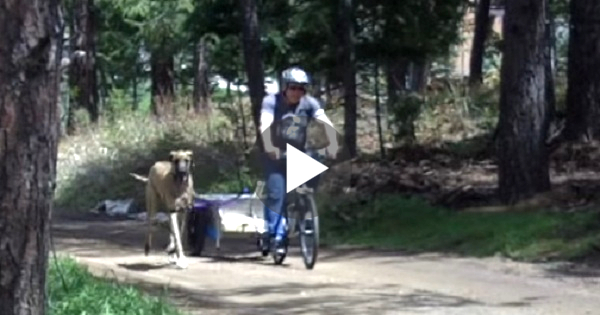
(171, 248)
(181, 259)
(184, 229)
(151, 204)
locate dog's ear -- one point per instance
(190, 155)
(172, 155)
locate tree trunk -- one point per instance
(83, 67)
(349, 75)
(397, 69)
(228, 90)
(548, 64)
(30, 54)
(396, 79)
(134, 89)
(253, 60)
(201, 81)
(482, 22)
(419, 73)
(328, 96)
(583, 91)
(162, 83)
(523, 124)
(319, 86)
(104, 86)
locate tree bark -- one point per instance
(349, 75)
(82, 74)
(30, 54)
(482, 22)
(162, 70)
(253, 60)
(523, 124)
(583, 91)
(134, 89)
(419, 73)
(396, 79)
(201, 81)
(548, 64)
(397, 70)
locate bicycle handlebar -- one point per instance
(319, 154)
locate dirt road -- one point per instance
(239, 281)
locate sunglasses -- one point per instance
(296, 88)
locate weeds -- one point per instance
(413, 225)
(95, 164)
(82, 293)
(452, 114)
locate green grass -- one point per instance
(82, 293)
(410, 224)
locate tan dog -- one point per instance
(170, 182)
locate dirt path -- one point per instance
(239, 281)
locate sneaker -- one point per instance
(263, 244)
(279, 246)
(309, 227)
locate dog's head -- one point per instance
(183, 162)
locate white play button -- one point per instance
(300, 168)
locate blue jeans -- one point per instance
(275, 176)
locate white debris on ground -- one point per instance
(113, 208)
(159, 218)
(126, 208)
(239, 213)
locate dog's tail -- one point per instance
(139, 177)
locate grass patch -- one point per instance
(82, 293)
(394, 222)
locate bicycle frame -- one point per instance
(291, 203)
(300, 191)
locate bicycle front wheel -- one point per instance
(279, 256)
(309, 231)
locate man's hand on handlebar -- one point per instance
(273, 152)
(332, 150)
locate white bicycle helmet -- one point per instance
(295, 75)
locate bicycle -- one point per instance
(299, 203)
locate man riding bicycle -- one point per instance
(284, 120)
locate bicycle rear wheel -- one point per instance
(309, 231)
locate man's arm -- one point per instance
(267, 116)
(320, 115)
